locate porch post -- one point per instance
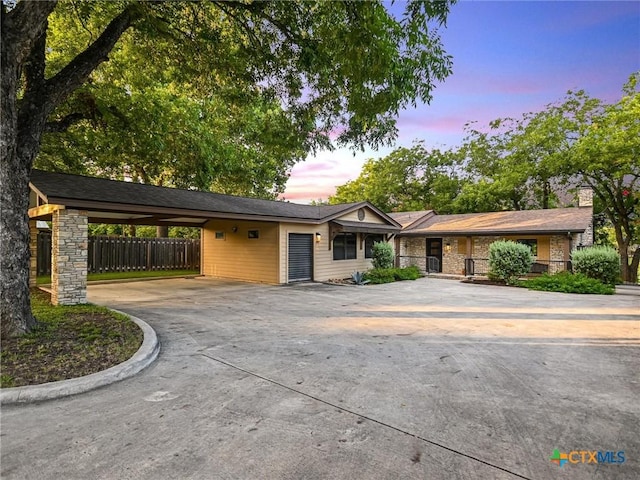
(69, 245)
(33, 250)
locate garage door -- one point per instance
(300, 257)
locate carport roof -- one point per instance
(126, 202)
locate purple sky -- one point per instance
(510, 57)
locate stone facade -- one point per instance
(454, 253)
(33, 250)
(412, 251)
(69, 245)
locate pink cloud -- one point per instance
(308, 192)
(305, 167)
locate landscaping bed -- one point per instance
(69, 342)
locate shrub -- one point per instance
(359, 278)
(380, 275)
(509, 260)
(601, 263)
(568, 283)
(388, 275)
(383, 255)
(407, 273)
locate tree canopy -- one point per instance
(336, 72)
(407, 179)
(535, 161)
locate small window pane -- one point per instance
(344, 246)
(532, 244)
(254, 234)
(219, 235)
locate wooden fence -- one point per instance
(125, 254)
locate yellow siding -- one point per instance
(369, 217)
(238, 257)
(324, 266)
(544, 248)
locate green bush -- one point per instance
(601, 263)
(388, 275)
(568, 283)
(383, 255)
(407, 273)
(380, 275)
(509, 260)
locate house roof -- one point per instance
(410, 218)
(139, 203)
(557, 220)
(349, 226)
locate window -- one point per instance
(253, 234)
(532, 244)
(368, 244)
(344, 246)
(219, 235)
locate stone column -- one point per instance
(69, 245)
(33, 249)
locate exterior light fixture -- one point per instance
(234, 229)
(447, 247)
(318, 237)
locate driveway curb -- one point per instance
(144, 357)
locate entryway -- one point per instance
(434, 252)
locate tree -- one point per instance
(605, 155)
(508, 167)
(148, 124)
(526, 163)
(406, 179)
(309, 56)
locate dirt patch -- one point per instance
(69, 342)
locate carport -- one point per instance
(250, 229)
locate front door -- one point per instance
(300, 257)
(434, 255)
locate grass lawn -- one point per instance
(45, 279)
(69, 342)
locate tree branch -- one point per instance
(64, 123)
(60, 86)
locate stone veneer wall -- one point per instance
(453, 261)
(33, 250)
(586, 238)
(413, 252)
(69, 253)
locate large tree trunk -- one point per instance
(23, 27)
(632, 273)
(15, 305)
(628, 271)
(22, 49)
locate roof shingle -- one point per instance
(557, 220)
(65, 189)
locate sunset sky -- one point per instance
(510, 57)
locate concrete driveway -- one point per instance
(428, 379)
